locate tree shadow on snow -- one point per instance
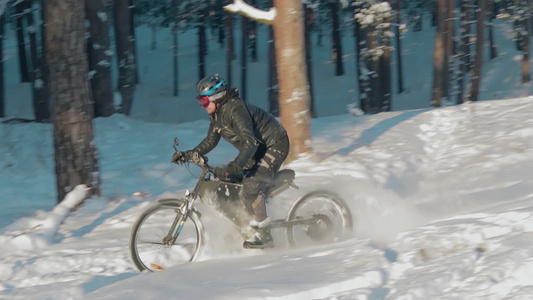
(98, 282)
(368, 136)
(125, 205)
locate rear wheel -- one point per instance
(323, 217)
(151, 245)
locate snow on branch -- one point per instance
(376, 13)
(519, 15)
(239, 6)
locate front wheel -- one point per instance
(318, 217)
(153, 245)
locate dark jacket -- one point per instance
(243, 125)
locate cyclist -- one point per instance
(261, 140)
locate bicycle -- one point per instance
(170, 231)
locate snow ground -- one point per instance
(442, 202)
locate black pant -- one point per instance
(260, 175)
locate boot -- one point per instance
(255, 224)
(260, 240)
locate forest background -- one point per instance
(360, 38)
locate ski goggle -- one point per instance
(203, 101)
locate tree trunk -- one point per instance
(23, 61)
(438, 56)
(75, 151)
(125, 44)
(41, 103)
(336, 52)
(253, 37)
(448, 49)
(476, 71)
(231, 54)
(244, 54)
(518, 42)
(132, 30)
(98, 47)
(203, 35)
(376, 101)
(293, 86)
(385, 76)
(202, 48)
(493, 48)
(434, 14)
(154, 38)
(32, 40)
(175, 69)
(220, 22)
(360, 41)
(526, 77)
(273, 88)
(42, 73)
(2, 85)
(465, 49)
(363, 71)
(399, 48)
(308, 58)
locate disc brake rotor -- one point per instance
(320, 228)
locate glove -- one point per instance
(225, 171)
(177, 158)
(180, 157)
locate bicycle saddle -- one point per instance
(282, 180)
(284, 176)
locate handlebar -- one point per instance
(200, 161)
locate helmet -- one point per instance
(211, 87)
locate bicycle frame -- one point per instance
(220, 189)
(232, 192)
(181, 218)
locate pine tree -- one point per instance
(76, 159)
(374, 35)
(98, 51)
(288, 27)
(125, 45)
(520, 13)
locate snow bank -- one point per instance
(41, 233)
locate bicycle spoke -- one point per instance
(148, 245)
(329, 219)
(148, 242)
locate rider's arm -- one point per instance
(241, 122)
(209, 142)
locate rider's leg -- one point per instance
(255, 183)
(253, 194)
(261, 237)
(260, 177)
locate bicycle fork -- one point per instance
(179, 221)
